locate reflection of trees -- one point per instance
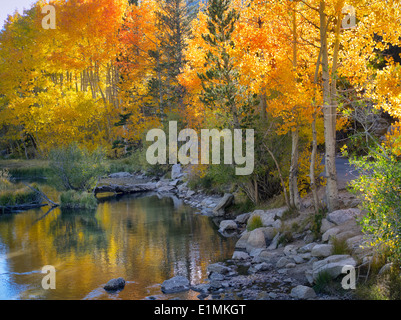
(187, 241)
(78, 231)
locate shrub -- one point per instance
(77, 200)
(254, 222)
(340, 246)
(379, 187)
(5, 178)
(76, 168)
(322, 282)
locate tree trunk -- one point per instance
(293, 177)
(329, 119)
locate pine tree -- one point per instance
(220, 83)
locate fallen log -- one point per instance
(125, 189)
(43, 196)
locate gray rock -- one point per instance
(227, 225)
(216, 277)
(260, 267)
(290, 250)
(326, 225)
(269, 232)
(307, 248)
(330, 233)
(175, 284)
(217, 268)
(202, 287)
(256, 252)
(332, 265)
(340, 216)
(298, 259)
(176, 171)
(174, 182)
(242, 241)
(322, 250)
(223, 203)
(240, 255)
(189, 193)
(265, 256)
(386, 268)
(355, 242)
(256, 240)
(303, 292)
(115, 284)
(118, 175)
(273, 245)
(282, 262)
(266, 217)
(242, 218)
(345, 235)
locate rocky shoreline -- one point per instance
(265, 265)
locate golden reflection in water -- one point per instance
(144, 240)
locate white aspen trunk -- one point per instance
(329, 122)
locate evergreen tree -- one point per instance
(220, 83)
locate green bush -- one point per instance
(254, 222)
(77, 200)
(379, 188)
(76, 168)
(322, 282)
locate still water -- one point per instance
(145, 240)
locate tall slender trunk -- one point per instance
(293, 176)
(329, 119)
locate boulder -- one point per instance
(269, 233)
(290, 250)
(330, 233)
(322, 250)
(303, 292)
(217, 268)
(224, 202)
(227, 225)
(282, 262)
(240, 255)
(115, 284)
(176, 171)
(242, 218)
(242, 241)
(298, 259)
(175, 284)
(307, 248)
(260, 267)
(386, 268)
(332, 265)
(340, 216)
(266, 217)
(273, 245)
(345, 235)
(255, 240)
(326, 225)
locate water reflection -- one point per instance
(143, 239)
